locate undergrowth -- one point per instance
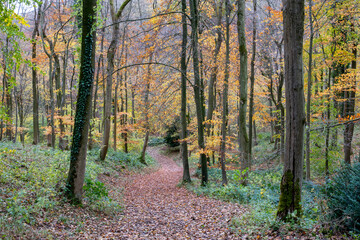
(261, 195)
(32, 181)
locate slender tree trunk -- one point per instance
(308, 113)
(133, 118)
(76, 173)
(197, 91)
(350, 109)
(110, 69)
(327, 137)
(115, 107)
(291, 182)
(225, 96)
(184, 148)
(252, 83)
(108, 92)
(243, 137)
(214, 69)
(146, 105)
(35, 91)
(125, 134)
(8, 95)
(92, 124)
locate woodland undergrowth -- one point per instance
(32, 181)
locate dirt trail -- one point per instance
(157, 209)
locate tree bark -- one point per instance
(349, 107)
(291, 182)
(243, 136)
(197, 91)
(35, 90)
(214, 69)
(308, 102)
(252, 83)
(110, 69)
(146, 111)
(225, 96)
(76, 173)
(184, 148)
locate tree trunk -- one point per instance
(115, 16)
(76, 174)
(291, 182)
(225, 96)
(350, 109)
(197, 91)
(327, 135)
(214, 69)
(35, 90)
(243, 137)
(308, 102)
(108, 92)
(92, 124)
(252, 83)
(184, 147)
(146, 111)
(125, 131)
(8, 96)
(115, 107)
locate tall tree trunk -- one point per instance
(115, 107)
(243, 137)
(252, 83)
(59, 99)
(291, 182)
(225, 96)
(197, 91)
(125, 134)
(349, 108)
(35, 90)
(184, 147)
(115, 16)
(7, 90)
(327, 135)
(76, 173)
(308, 102)
(214, 68)
(108, 92)
(92, 124)
(146, 111)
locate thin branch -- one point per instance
(151, 63)
(335, 125)
(141, 19)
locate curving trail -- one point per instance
(157, 209)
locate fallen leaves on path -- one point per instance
(157, 209)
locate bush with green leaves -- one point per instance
(156, 141)
(172, 135)
(129, 160)
(343, 197)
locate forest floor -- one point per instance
(156, 208)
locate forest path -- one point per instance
(155, 208)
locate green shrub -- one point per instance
(130, 160)
(343, 197)
(94, 190)
(156, 141)
(172, 136)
